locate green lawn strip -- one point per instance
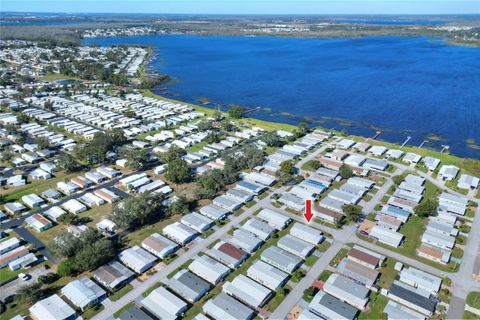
(149, 290)
(388, 273)
(467, 315)
(277, 299)
(7, 275)
(57, 76)
(324, 275)
(375, 307)
(120, 292)
(457, 253)
(91, 312)
(311, 165)
(124, 308)
(322, 247)
(310, 261)
(473, 299)
(445, 295)
(342, 253)
(183, 266)
(137, 236)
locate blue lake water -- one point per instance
(404, 86)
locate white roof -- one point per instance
(164, 304)
(266, 274)
(274, 218)
(52, 307)
(247, 290)
(208, 268)
(82, 292)
(179, 232)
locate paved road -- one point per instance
(296, 294)
(12, 287)
(113, 307)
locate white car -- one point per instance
(23, 276)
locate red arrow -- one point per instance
(308, 210)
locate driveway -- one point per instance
(12, 287)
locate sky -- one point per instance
(246, 6)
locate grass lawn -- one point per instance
(137, 236)
(375, 307)
(342, 253)
(6, 275)
(445, 295)
(473, 299)
(37, 187)
(279, 296)
(311, 165)
(149, 290)
(183, 266)
(57, 76)
(91, 312)
(125, 307)
(310, 261)
(322, 247)
(467, 315)
(120, 292)
(324, 275)
(457, 253)
(388, 273)
(14, 309)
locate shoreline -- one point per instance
(469, 165)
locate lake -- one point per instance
(404, 86)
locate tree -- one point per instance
(397, 179)
(171, 154)
(236, 112)
(48, 278)
(95, 254)
(427, 207)
(30, 294)
(129, 114)
(67, 267)
(210, 182)
(217, 115)
(181, 205)
(352, 212)
(68, 218)
(177, 171)
(137, 158)
(136, 212)
(42, 142)
(68, 163)
(65, 244)
(345, 172)
(272, 139)
(205, 125)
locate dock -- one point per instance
(445, 148)
(405, 142)
(251, 110)
(376, 135)
(421, 144)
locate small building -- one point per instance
(448, 172)
(267, 275)
(375, 164)
(307, 233)
(112, 275)
(295, 246)
(228, 203)
(9, 244)
(469, 182)
(259, 228)
(179, 233)
(14, 207)
(245, 241)
(209, 269)
(96, 177)
(81, 182)
(250, 186)
(438, 240)
(197, 222)
(420, 279)
(358, 272)
(365, 257)
(247, 291)
(159, 245)
(137, 259)
(214, 212)
(431, 163)
(106, 195)
(227, 254)
(274, 218)
(32, 200)
(326, 306)
(83, 293)
(67, 188)
(406, 295)
(225, 307)
(389, 237)
(52, 307)
(13, 255)
(51, 195)
(434, 253)
(188, 285)
(39, 174)
(412, 158)
(164, 304)
(281, 259)
(347, 290)
(39, 222)
(377, 150)
(74, 206)
(329, 210)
